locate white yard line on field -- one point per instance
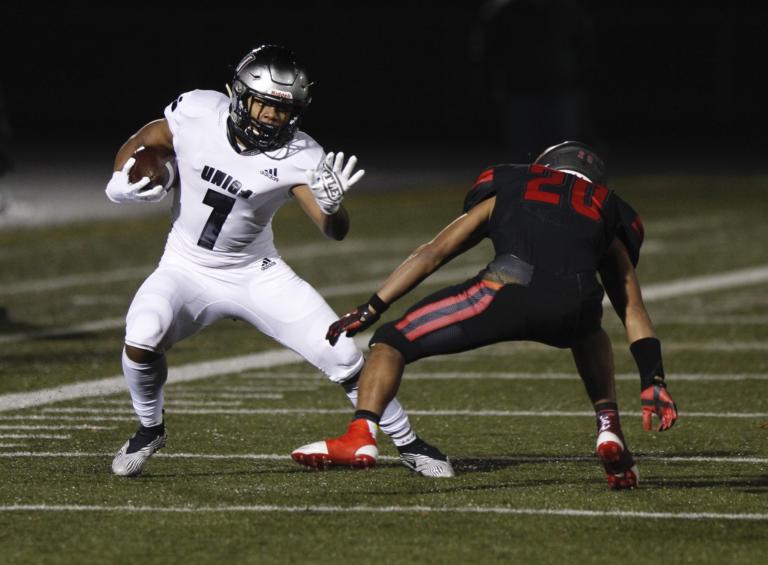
(469, 375)
(504, 510)
(720, 347)
(304, 251)
(651, 293)
(194, 394)
(60, 418)
(116, 384)
(116, 323)
(44, 427)
(281, 457)
(706, 283)
(469, 413)
(273, 358)
(69, 281)
(34, 436)
(172, 402)
(85, 327)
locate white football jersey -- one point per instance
(223, 207)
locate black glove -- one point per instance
(358, 320)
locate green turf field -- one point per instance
(513, 417)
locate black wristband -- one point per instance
(647, 354)
(377, 304)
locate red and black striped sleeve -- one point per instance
(482, 189)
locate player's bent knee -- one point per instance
(381, 349)
(139, 355)
(344, 364)
(147, 327)
(391, 341)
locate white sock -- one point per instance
(394, 421)
(372, 427)
(145, 382)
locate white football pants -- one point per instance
(180, 298)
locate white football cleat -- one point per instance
(130, 460)
(425, 459)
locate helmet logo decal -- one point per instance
(281, 94)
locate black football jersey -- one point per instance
(556, 221)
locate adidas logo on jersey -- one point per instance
(266, 263)
(270, 173)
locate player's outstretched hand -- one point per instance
(656, 399)
(332, 179)
(354, 322)
(120, 189)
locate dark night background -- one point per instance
(659, 85)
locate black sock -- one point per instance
(366, 415)
(606, 406)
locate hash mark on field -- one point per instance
(563, 512)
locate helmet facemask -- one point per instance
(268, 75)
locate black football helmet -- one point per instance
(574, 156)
(270, 75)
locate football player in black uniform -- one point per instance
(558, 232)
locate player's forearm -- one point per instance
(124, 153)
(422, 263)
(336, 225)
(154, 133)
(638, 324)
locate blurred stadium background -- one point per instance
(417, 86)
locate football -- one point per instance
(157, 163)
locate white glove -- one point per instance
(120, 189)
(331, 180)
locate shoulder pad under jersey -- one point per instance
(303, 151)
(194, 104)
(629, 228)
(482, 189)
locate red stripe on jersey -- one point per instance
(637, 225)
(470, 310)
(485, 176)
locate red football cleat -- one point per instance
(620, 468)
(356, 448)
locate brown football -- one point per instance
(157, 163)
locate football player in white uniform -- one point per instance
(240, 157)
